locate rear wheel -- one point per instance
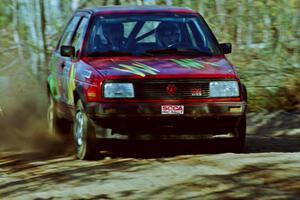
(57, 126)
(84, 135)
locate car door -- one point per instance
(69, 71)
(58, 63)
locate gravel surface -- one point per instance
(269, 168)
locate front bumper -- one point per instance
(131, 118)
(108, 110)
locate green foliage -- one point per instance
(288, 96)
(6, 15)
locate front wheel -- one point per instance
(84, 135)
(240, 132)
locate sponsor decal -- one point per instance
(172, 109)
(137, 68)
(193, 63)
(87, 73)
(171, 89)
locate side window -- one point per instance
(79, 35)
(67, 36)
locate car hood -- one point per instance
(159, 67)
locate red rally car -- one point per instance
(143, 73)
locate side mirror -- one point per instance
(67, 51)
(226, 48)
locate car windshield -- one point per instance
(150, 34)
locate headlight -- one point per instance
(224, 89)
(118, 90)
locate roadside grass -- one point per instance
(271, 78)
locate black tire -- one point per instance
(84, 135)
(240, 131)
(58, 127)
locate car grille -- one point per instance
(164, 89)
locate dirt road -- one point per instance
(268, 169)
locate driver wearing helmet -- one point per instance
(167, 35)
(114, 35)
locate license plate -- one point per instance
(172, 110)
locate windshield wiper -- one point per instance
(109, 53)
(177, 51)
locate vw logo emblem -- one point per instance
(171, 89)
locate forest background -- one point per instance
(265, 35)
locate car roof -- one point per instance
(136, 9)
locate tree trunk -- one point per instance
(249, 39)
(239, 28)
(139, 2)
(105, 2)
(219, 6)
(201, 7)
(75, 4)
(169, 2)
(16, 35)
(43, 29)
(275, 33)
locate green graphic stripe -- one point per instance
(71, 85)
(192, 63)
(137, 68)
(52, 85)
(147, 68)
(209, 63)
(188, 63)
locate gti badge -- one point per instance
(171, 89)
(196, 92)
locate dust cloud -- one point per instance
(23, 115)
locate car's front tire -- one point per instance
(84, 135)
(240, 132)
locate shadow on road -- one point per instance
(266, 132)
(273, 132)
(253, 145)
(251, 178)
(261, 183)
(269, 144)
